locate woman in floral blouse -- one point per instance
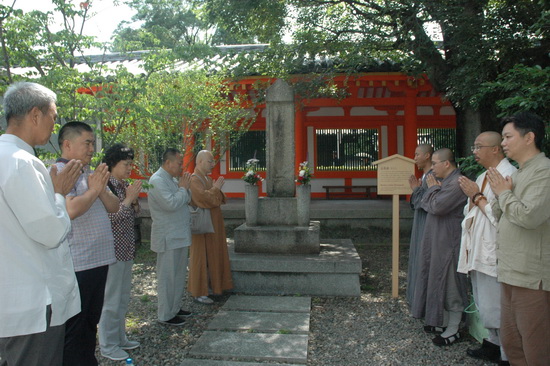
(112, 326)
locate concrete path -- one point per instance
(248, 329)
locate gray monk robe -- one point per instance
(438, 257)
(416, 236)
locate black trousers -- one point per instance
(37, 349)
(81, 329)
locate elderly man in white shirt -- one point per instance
(478, 246)
(38, 288)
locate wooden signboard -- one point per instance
(393, 179)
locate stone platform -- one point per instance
(255, 330)
(333, 272)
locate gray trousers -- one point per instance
(453, 299)
(487, 293)
(112, 325)
(36, 349)
(171, 272)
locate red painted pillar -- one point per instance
(188, 157)
(411, 124)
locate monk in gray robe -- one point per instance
(441, 293)
(423, 160)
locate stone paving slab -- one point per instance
(283, 304)
(204, 362)
(252, 346)
(269, 322)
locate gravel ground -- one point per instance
(373, 329)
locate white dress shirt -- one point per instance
(36, 268)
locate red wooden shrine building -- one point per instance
(383, 114)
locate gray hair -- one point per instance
(21, 97)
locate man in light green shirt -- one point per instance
(523, 240)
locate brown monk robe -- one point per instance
(209, 260)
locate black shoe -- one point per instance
(184, 313)
(503, 363)
(176, 321)
(434, 330)
(446, 341)
(487, 352)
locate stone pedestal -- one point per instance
(251, 204)
(303, 199)
(278, 239)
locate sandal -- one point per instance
(446, 341)
(204, 300)
(432, 329)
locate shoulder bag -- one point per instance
(201, 221)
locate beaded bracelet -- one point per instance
(475, 195)
(479, 198)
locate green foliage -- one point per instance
(522, 88)
(168, 24)
(175, 109)
(162, 107)
(28, 41)
(244, 21)
(470, 167)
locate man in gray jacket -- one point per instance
(170, 234)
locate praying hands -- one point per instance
(497, 182)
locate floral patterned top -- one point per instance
(122, 223)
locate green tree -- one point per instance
(160, 107)
(165, 24)
(479, 40)
(28, 41)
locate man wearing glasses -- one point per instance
(479, 241)
(440, 294)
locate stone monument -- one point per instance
(278, 250)
(277, 229)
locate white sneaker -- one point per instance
(204, 300)
(130, 345)
(116, 355)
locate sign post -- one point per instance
(393, 178)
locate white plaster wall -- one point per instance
(327, 112)
(384, 141)
(400, 140)
(447, 111)
(367, 111)
(424, 111)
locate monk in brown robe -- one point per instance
(209, 260)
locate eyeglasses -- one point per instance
(478, 147)
(437, 162)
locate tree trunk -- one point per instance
(468, 126)
(470, 122)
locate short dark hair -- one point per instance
(446, 154)
(117, 153)
(23, 96)
(526, 122)
(170, 154)
(72, 129)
